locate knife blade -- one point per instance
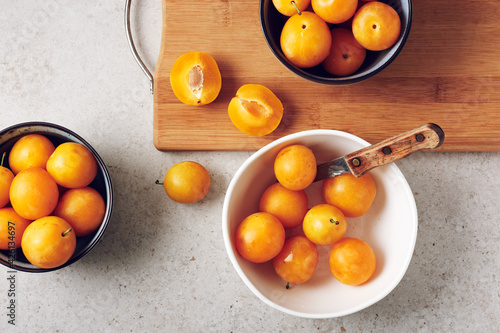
(428, 136)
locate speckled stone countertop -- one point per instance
(162, 266)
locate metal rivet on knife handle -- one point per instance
(420, 137)
(356, 162)
(387, 150)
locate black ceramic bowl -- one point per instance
(15, 260)
(272, 23)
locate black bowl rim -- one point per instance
(335, 80)
(109, 206)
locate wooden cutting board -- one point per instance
(448, 73)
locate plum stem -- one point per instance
(66, 232)
(333, 221)
(298, 10)
(157, 182)
(287, 285)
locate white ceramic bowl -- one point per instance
(390, 227)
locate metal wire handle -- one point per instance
(132, 46)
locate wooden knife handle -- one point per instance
(427, 136)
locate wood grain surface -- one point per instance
(448, 73)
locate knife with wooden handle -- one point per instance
(428, 136)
